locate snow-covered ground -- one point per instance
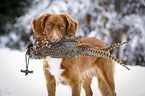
(15, 83)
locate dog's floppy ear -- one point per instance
(71, 24)
(38, 23)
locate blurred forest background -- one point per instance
(112, 21)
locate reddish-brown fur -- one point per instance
(79, 70)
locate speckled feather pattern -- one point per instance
(67, 47)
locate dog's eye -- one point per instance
(49, 25)
(61, 27)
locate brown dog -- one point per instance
(78, 71)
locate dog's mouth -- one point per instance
(62, 39)
(54, 38)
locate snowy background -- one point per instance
(112, 21)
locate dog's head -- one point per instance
(54, 26)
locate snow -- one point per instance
(15, 83)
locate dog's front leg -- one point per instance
(50, 80)
(73, 81)
(76, 88)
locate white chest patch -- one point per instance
(54, 68)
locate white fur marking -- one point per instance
(54, 67)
